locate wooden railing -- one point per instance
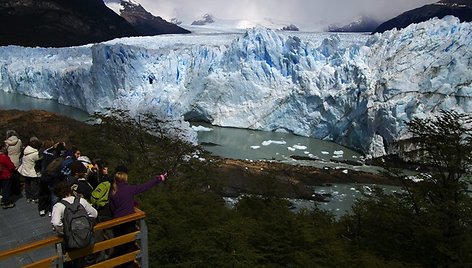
(139, 255)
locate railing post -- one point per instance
(60, 255)
(144, 243)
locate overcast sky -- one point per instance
(303, 12)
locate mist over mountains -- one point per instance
(363, 24)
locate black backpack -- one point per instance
(53, 170)
(77, 226)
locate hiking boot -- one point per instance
(8, 205)
(42, 213)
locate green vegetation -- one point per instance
(429, 224)
(426, 225)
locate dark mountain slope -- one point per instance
(458, 8)
(59, 23)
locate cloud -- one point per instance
(296, 11)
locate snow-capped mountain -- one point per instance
(291, 27)
(356, 90)
(206, 19)
(212, 24)
(461, 9)
(143, 21)
(361, 24)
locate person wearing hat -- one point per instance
(121, 168)
(78, 182)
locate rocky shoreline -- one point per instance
(292, 181)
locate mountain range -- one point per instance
(362, 24)
(143, 21)
(461, 9)
(59, 23)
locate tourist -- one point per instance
(6, 170)
(101, 192)
(30, 170)
(49, 177)
(14, 148)
(122, 203)
(78, 181)
(122, 195)
(70, 156)
(99, 173)
(64, 192)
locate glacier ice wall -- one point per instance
(359, 94)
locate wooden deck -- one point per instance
(22, 225)
(27, 240)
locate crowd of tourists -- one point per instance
(53, 176)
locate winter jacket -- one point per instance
(58, 212)
(30, 156)
(14, 149)
(6, 167)
(122, 202)
(82, 188)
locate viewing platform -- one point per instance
(27, 240)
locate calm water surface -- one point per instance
(25, 103)
(281, 147)
(246, 144)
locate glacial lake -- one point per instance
(255, 145)
(250, 145)
(287, 148)
(25, 103)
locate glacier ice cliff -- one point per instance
(358, 91)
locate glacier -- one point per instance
(356, 90)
